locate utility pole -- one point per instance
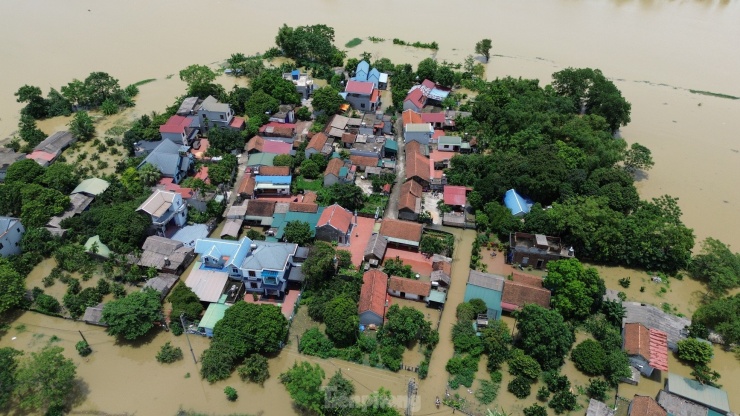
(182, 322)
(83, 338)
(411, 391)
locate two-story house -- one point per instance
(262, 266)
(303, 82)
(418, 132)
(11, 232)
(173, 160)
(166, 209)
(362, 95)
(179, 129)
(215, 114)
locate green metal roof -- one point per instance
(214, 313)
(279, 221)
(491, 297)
(437, 296)
(391, 145)
(449, 140)
(92, 186)
(261, 159)
(102, 249)
(343, 171)
(700, 393)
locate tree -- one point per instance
(483, 47)
(184, 300)
(109, 107)
(319, 266)
(45, 380)
(149, 174)
(36, 106)
(59, 176)
(283, 160)
(8, 366)
(520, 387)
(231, 393)
(535, 410)
(523, 365)
(395, 267)
(13, 285)
(309, 169)
(198, 78)
(613, 312)
(563, 401)
(694, 351)
(298, 232)
(309, 44)
(638, 157)
(133, 316)
(616, 367)
(24, 171)
(543, 335)
(225, 139)
(577, 291)
(597, 389)
(217, 362)
(496, 339)
(81, 126)
(254, 369)
(445, 76)
(169, 354)
(57, 104)
(260, 105)
(406, 324)
(339, 392)
(273, 84)
(341, 320)
(465, 339)
(705, 375)
(348, 195)
(716, 265)
(98, 87)
(589, 357)
(29, 132)
(326, 100)
(303, 383)
(723, 316)
(427, 69)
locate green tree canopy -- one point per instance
(8, 366)
(225, 140)
(407, 324)
(496, 338)
(327, 100)
(199, 78)
(24, 171)
(544, 335)
(589, 357)
(81, 126)
(638, 157)
(306, 44)
(260, 105)
(298, 232)
(348, 195)
(133, 316)
(723, 316)
(483, 47)
(14, 287)
(577, 290)
(303, 382)
(694, 351)
(716, 265)
(59, 176)
(45, 380)
(339, 392)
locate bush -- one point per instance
(314, 342)
(520, 387)
(597, 389)
(479, 306)
(524, 365)
(589, 357)
(535, 410)
(543, 394)
(83, 348)
(231, 393)
(563, 401)
(465, 312)
(463, 369)
(254, 369)
(103, 287)
(694, 351)
(118, 290)
(169, 354)
(465, 339)
(47, 303)
(556, 382)
(487, 392)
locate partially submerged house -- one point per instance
(597, 408)
(166, 209)
(162, 283)
(91, 187)
(337, 171)
(7, 158)
(11, 233)
(714, 399)
(95, 247)
(654, 318)
(94, 315)
(516, 295)
(171, 159)
(487, 287)
(211, 317)
(455, 197)
(647, 348)
(372, 304)
(678, 406)
(165, 255)
(403, 234)
(409, 201)
(536, 250)
(208, 284)
(78, 203)
(335, 225)
(645, 406)
(409, 288)
(51, 148)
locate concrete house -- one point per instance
(303, 82)
(647, 348)
(489, 288)
(371, 307)
(536, 250)
(678, 406)
(597, 408)
(167, 209)
(337, 171)
(173, 160)
(335, 224)
(179, 129)
(51, 147)
(403, 234)
(262, 266)
(516, 204)
(409, 201)
(281, 131)
(516, 295)
(165, 255)
(214, 114)
(11, 232)
(418, 169)
(374, 77)
(362, 71)
(363, 163)
(362, 95)
(319, 143)
(710, 397)
(409, 288)
(272, 185)
(414, 101)
(418, 132)
(449, 143)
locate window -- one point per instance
(1, 246)
(222, 116)
(253, 285)
(362, 105)
(252, 274)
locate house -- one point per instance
(282, 131)
(335, 224)
(348, 139)
(282, 218)
(368, 145)
(91, 187)
(678, 406)
(319, 143)
(414, 101)
(516, 295)
(337, 172)
(516, 204)
(418, 169)
(390, 148)
(362, 95)
(262, 266)
(411, 116)
(180, 130)
(189, 107)
(259, 212)
(285, 114)
(405, 234)
(337, 126)
(7, 158)
(208, 284)
(310, 207)
(11, 233)
(647, 348)
(272, 185)
(303, 82)
(383, 81)
(437, 120)
(372, 303)
(433, 93)
(162, 283)
(418, 132)
(489, 288)
(172, 160)
(375, 249)
(409, 288)
(166, 209)
(374, 77)
(231, 228)
(654, 318)
(78, 203)
(362, 71)
(597, 408)
(364, 162)
(213, 314)
(441, 271)
(536, 250)
(645, 406)
(236, 212)
(273, 171)
(165, 255)
(258, 144)
(258, 160)
(455, 196)
(51, 147)
(409, 201)
(214, 114)
(705, 395)
(94, 315)
(95, 247)
(449, 143)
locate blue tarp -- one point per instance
(516, 204)
(275, 180)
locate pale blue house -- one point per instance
(516, 204)
(489, 288)
(362, 71)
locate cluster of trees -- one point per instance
(698, 354)
(40, 383)
(348, 195)
(555, 145)
(246, 329)
(34, 193)
(577, 291)
(310, 45)
(133, 316)
(433, 243)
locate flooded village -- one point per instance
(275, 228)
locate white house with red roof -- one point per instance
(362, 95)
(335, 224)
(179, 129)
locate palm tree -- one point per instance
(149, 174)
(613, 311)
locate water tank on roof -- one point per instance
(253, 247)
(295, 74)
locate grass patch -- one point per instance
(354, 42)
(715, 94)
(373, 202)
(169, 76)
(21, 328)
(375, 39)
(422, 45)
(302, 183)
(145, 81)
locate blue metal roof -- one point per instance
(277, 180)
(391, 145)
(516, 204)
(363, 66)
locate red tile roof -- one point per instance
(416, 98)
(363, 160)
(349, 138)
(412, 147)
(276, 129)
(260, 208)
(518, 295)
(237, 122)
(454, 195)
(277, 147)
(274, 170)
(429, 84)
(333, 167)
(372, 294)
(247, 185)
(175, 124)
(402, 230)
(203, 174)
(309, 196)
(410, 193)
(409, 286)
(437, 134)
(418, 166)
(303, 207)
(648, 343)
(41, 155)
(317, 142)
(411, 117)
(646, 406)
(256, 143)
(336, 217)
(375, 96)
(387, 188)
(359, 87)
(527, 279)
(433, 118)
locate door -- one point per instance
(540, 262)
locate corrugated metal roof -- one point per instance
(486, 280)
(206, 284)
(214, 313)
(516, 204)
(92, 186)
(701, 393)
(419, 128)
(449, 140)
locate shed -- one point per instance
(232, 228)
(94, 315)
(207, 284)
(516, 204)
(214, 313)
(597, 408)
(702, 394)
(375, 249)
(93, 245)
(436, 298)
(163, 283)
(91, 186)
